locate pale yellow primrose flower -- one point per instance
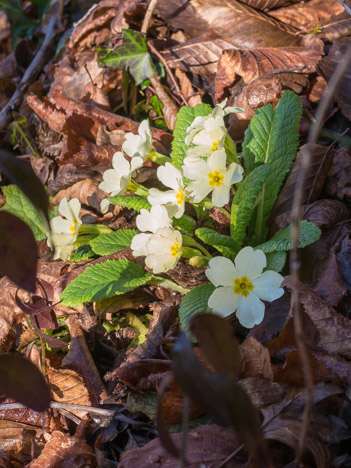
(174, 199)
(211, 176)
(164, 250)
(241, 285)
(116, 180)
(65, 229)
(149, 222)
(209, 131)
(139, 145)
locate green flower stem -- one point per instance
(138, 189)
(94, 229)
(206, 203)
(159, 158)
(188, 252)
(167, 283)
(190, 242)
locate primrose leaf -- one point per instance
(275, 261)
(194, 302)
(82, 253)
(244, 202)
(131, 54)
(107, 244)
(281, 241)
(185, 117)
(272, 139)
(103, 280)
(128, 201)
(18, 204)
(224, 244)
(185, 223)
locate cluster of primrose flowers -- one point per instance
(240, 285)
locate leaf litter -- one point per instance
(116, 355)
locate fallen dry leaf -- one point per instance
(208, 445)
(10, 314)
(87, 191)
(64, 451)
(20, 439)
(255, 360)
(307, 16)
(339, 26)
(191, 97)
(338, 183)
(254, 63)
(334, 329)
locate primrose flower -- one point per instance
(241, 285)
(149, 222)
(139, 145)
(116, 180)
(164, 250)
(212, 175)
(174, 199)
(65, 228)
(210, 130)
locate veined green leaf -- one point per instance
(185, 224)
(133, 203)
(224, 244)
(281, 241)
(272, 139)
(18, 204)
(83, 252)
(195, 302)
(103, 280)
(107, 244)
(275, 261)
(131, 54)
(244, 202)
(185, 117)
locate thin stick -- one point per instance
(147, 17)
(65, 406)
(185, 428)
(169, 71)
(34, 68)
(295, 234)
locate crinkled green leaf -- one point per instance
(131, 54)
(103, 280)
(133, 203)
(275, 261)
(107, 244)
(185, 224)
(82, 253)
(195, 302)
(272, 139)
(185, 117)
(224, 244)
(244, 202)
(18, 204)
(281, 241)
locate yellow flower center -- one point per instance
(180, 196)
(215, 145)
(243, 286)
(73, 227)
(175, 248)
(215, 178)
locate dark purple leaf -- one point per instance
(22, 381)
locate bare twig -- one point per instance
(65, 406)
(147, 17)
(169, 71)
(295, 234)
(170, 110)
(34, 68)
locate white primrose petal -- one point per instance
(217, 161)
(63, 252)
(267, 286)
(120, 164)
(233, 174)
(138, 244)
(232, 110)
(111, 182)
(250, 263)
(195, 169)
(170, 176)
(157, 197)
(104, 205)
(220, 195)
(150, 221)
(70, 209)
(250, 310)
(135, 164)
(197, 152)
(199, 189)
(164, 249)
(223, 301)
(75, 207)
(130, 144)
(203, 138)
(62, 226)
(221, 272)
(215, 126)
